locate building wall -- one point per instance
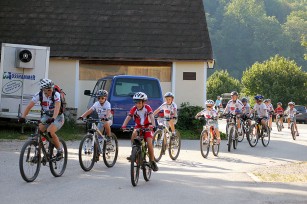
(192, 91)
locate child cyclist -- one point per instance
(103, 109)
(261, 109)
(143, 117)
(291, 113)
(280, 113)
(169, 109)
(270, 111)
(210, 112)
(245, 110)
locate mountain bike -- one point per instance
(258, 131)
(292, 127)
(279, 124)
(208, 129)
(162, 141)
(96, 143)
(34, 153)
(245, 126)
(232, 131)
(139, 157)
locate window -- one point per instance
(189, 75)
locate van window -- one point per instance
(128, 87)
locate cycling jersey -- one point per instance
(261, 110)
(47, 104)
(291, 112)
(169, 110)
(279, 110)
(141, 117)
(101, 109)
(246, 109)
(209, 113)
(233, 105)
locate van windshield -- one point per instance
(128, 87)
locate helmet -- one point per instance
(102, 93)
(46, 84)
(279, 103)
(169, 94)
(244, 100)
(269, 99)
(234, 93)
(291, 103)
(209, 102)
(258, 97)
(266, 100)
(140, 96)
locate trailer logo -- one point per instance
(11, 75)
(12, 87)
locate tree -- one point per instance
(221, 82)
(278, 79)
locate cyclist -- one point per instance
(169, 109)
(143, 117)
(261, 109)
(279, 113)
(245, 110)
(291, 113)
(235, 107)
(103, 108)
(270, 111)
(210, 112)
(52, 119)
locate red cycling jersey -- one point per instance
(279, 110)
(141, 117)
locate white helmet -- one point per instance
(140, 96)
(102, 93)
(168, 94)
(291, 103)
(209, 102)
(46, 84)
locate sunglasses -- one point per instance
(137, 101)
(209, 106)
(101, 98)
(47, 90)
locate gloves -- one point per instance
(80, 118)
(50, 120)
(21, 120)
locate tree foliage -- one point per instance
(221, 82)
(278, 79)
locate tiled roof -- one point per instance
(109, 29)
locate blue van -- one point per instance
(121, 89)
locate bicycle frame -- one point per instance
(94, 130)
(165, 130)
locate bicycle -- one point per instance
(279, 124)
(258, 131)
(245, 126)
(34, 153)
(94, 144)
(139, 157)
(292, 128)
(162, 141)
(232, 131)
(208, 129)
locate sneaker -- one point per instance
(129, 158)
(59, 154)
(288, 127)
(97, 157)
(154, 166)
(297, 134)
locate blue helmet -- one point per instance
(258, 97)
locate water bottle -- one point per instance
(45, 142)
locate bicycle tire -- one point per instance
(279, 127)
(215, 146)
(146, 168)
(35, 160)
(235, 140)
(204, 148)
(158, 145)
(230, 132)
(293, 132)
(87, 152)
(110, 152)
(265, 137)
(252, 136)
(173, 144)
(241, 137)
(58, 166)
(135, 165)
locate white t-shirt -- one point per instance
(291, 113)
(261, 110)
(232, 106)
(209, 113)
(47, 103)
(101, 109)
(170, 110)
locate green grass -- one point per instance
(194, 135)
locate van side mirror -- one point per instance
(87, 92)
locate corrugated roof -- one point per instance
(109, 29)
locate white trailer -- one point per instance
(22, 66)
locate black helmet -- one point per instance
(244, 100)
(234, 93)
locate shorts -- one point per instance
(215, 124)
(101, 124)
(148, 134)
(263, 118)
(58, 122)
(292, 119)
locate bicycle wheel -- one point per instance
(293, 132)
(266, 135)
(58, 165)
(158, 145)
(87, 152)
(235, 139)
(204, 146)
(146, 168)
(278, 125)
(30, 160)
(135, 165)
(230, 133)
(110, 151)
(252, 137)
(241, 136)
(215, 147)
(174, 146)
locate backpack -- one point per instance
(62, 96)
